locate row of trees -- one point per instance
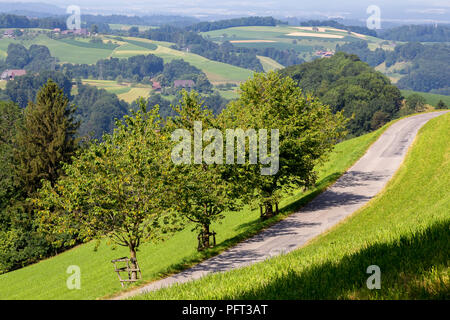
(428, 65)
(136, 67)
(206, 26)
(128, 187)
(418, 33)
(16, 21)
(347, 84)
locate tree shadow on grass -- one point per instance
(252, 228)
(403, 264)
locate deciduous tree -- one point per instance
(118, 189)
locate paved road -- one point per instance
(353, 190)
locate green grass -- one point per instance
(229, 94)
(124, 92)
(80, 50)
(431, 98)
(404, 230)
(47, 279)
(280, 38)
(217, 72)
(87, 44)
(134, 93)
(269, 64)
(72, 51)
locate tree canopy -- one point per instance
(347, 84)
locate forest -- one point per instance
(428, 69)
(418, 33)
(230, 23)
(347, 84)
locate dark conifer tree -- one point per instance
(46, 139)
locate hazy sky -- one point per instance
(392, 9)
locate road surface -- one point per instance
(352, 191)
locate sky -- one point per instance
(438, 10)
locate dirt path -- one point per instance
(353, 190)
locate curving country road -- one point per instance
(352, 191)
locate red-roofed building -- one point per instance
(156, 86)
(11, 74)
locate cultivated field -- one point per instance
(124, 91)
(304, 40)
(80, 50)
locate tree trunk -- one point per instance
(268, 210)
(133, 263)
(277, 209)
(204, 238)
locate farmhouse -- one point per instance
(325, 54)
(156, 86)
(184, 83)
(11, 74)
(8, 33)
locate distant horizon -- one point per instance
(413, 11)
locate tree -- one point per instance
(307, 132)
(441, 105)
(17, 57)
(47, 138)
(117, 189)
(94, 29)
(379, 119)
(133, 32)
(10, 115)
(349, 85)
(205, 190)
(415, 103)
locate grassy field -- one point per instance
(404, 231)
(392, 72)
(431, 98)
(304, 40)
(124, 91)
(47, 279)
(269, 64)
(80, 50)
(135, 93)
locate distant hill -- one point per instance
(35, 9)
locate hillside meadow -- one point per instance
(404, 230)
(47, 279)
